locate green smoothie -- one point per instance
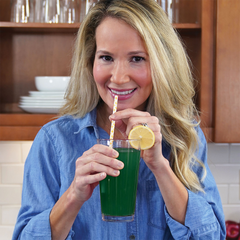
(118, 194)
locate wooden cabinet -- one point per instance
(31, 49)
(227, 79)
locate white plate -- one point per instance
(40, 109)
(40, 93)
(42, 101)
(47, 97)
(41, 105)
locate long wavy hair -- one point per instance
(171, 99)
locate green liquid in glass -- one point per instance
(118, 194)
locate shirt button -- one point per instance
(132, 237)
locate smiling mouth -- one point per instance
(122, 92)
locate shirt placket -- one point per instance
(132, 227)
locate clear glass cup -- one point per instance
(118, 194)
(82, 9)
(168, 7)
(50, 11)
(22, 11)
(38, 11)
(84, 6)
(69, 11)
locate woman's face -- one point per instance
(121, 65)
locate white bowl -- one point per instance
(51, 84)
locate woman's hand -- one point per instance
(174, 193)
(93, 166)
(126, 119)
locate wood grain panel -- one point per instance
(227, 87)
(207, 65)
(16, 133)
(25, 55)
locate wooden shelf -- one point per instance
(40, 27)
(68, 27)
(44, 49)
(15, 127)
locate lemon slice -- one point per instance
(145, 134)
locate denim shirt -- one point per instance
(49, 171)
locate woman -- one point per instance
(126, 48)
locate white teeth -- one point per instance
(122, 93)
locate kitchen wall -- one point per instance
(224, 161)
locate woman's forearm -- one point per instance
(63, 215)
(174, 193)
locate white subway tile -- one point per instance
(225, 173)
(12, 173)
(218, 153)
(0, 215)
(26, 145)
(223, 191)
(232, 212)
(10, 152)
(6, 232)
(235, 153)
(9, 214)
(0, 173)
(234, 194)
(10, 195)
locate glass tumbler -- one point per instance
(118, 194)
(50, 11)
(22, 11)
(69, 11)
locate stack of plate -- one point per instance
(50, 95)
(42, 102)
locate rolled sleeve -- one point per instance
(204, 218)
(37, 228)
(40, 191)
(200, 221)
(178, 230)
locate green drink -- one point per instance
(118, 194)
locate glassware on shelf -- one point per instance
(69, 11)
(38, 11)
(22, 11)
(90, 3)
(84, 6)
(51, 11)
(169, 8)
(181, 11)
(82, 9)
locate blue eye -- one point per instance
(137, 59)
(106, 58)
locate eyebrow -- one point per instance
(130, 53)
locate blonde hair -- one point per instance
(171, 99)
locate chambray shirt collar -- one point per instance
(89, 120)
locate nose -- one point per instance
(119, 74)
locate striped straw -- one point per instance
(113, 122)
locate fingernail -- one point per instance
(103, 174)
(115, 153)
(116, 172)
(120, 164)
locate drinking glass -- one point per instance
(82, 9)
(69, 11)
(22, 11)
(171, 8)
(90, 3)
(167, 6)
(118, 194)
(50, 11)
(39, 10)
